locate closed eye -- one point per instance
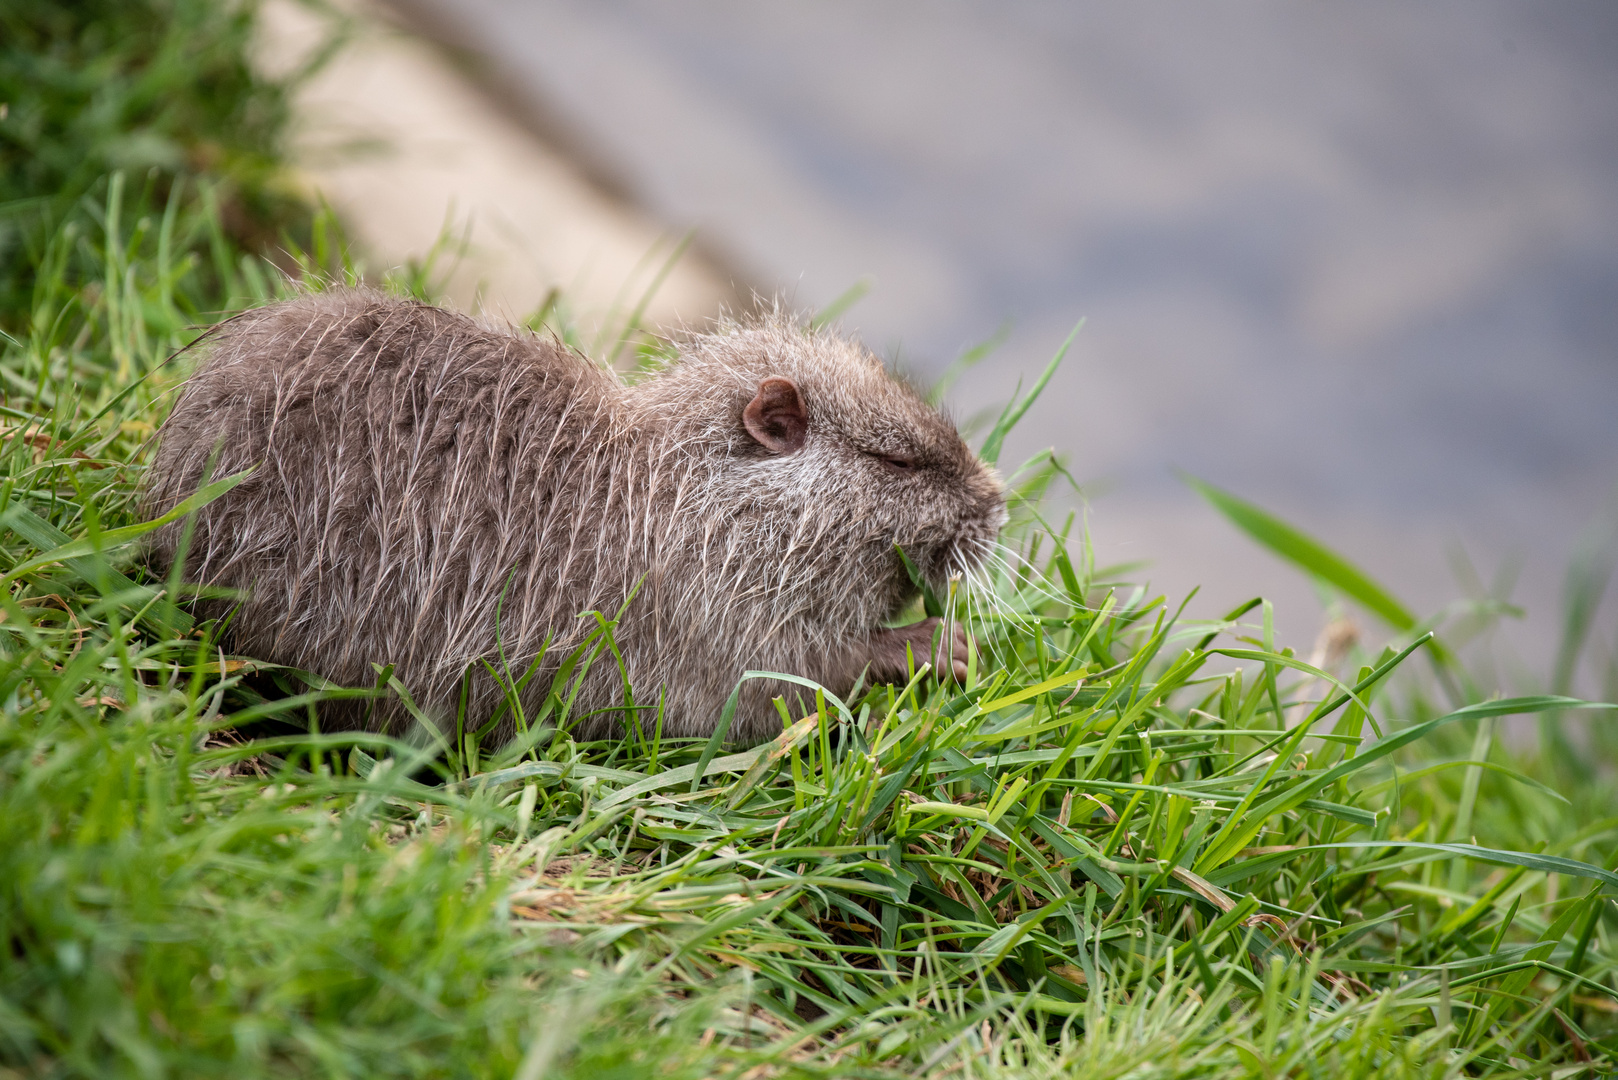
(894, 462)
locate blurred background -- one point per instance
(1355, 263)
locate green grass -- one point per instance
(1132, 842)
(1134, 845)
(159, 89)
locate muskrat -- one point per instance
(431, 492)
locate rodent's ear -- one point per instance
(776, 416)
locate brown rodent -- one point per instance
(419, 477)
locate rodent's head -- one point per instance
(810, 424)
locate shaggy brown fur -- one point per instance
(413, 464)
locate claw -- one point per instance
(888, 651)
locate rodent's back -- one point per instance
(408, 461)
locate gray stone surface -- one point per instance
(1357, 262)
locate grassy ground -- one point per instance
(1132, 845)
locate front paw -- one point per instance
(891, 650)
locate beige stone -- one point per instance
(411, 155)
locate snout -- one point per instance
(970, 545)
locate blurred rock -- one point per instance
(410, 153)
